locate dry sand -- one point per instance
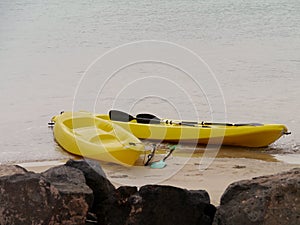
(211, 174)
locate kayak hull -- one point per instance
(83, 134)
(256, 135)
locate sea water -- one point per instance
(50, 60)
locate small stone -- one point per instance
(238, 167)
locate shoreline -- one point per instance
(183, 173)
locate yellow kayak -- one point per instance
(244, 135)
(84, 134)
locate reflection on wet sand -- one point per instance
(222, 152)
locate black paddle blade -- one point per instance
(120, 116)
(147, 118)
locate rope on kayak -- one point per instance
(151, 155)
(161, 163)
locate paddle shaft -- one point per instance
(145, 116)
(152, 119)
(194, 123)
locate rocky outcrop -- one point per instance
(95, 179)
(79, 193)
(157, 204)
(127, 205)
(75, 192)
(58, 196)
(75, 197)
(171, 205)
(117, 208)
(271, 199)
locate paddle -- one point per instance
(161, 164)
(194, 123)
(142, 118)
(120, 116)
(149, 118)
(125, 117)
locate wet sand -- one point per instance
(212, 175)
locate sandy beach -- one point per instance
(185, 173)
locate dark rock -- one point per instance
(26, 199)
(95, 179)
(198, 196)
(116, 209)
(155, 204)
(70, 183)
(165, 205)
(86, 165)
(30, 198)
(273, 199)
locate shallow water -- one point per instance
(46, 47)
